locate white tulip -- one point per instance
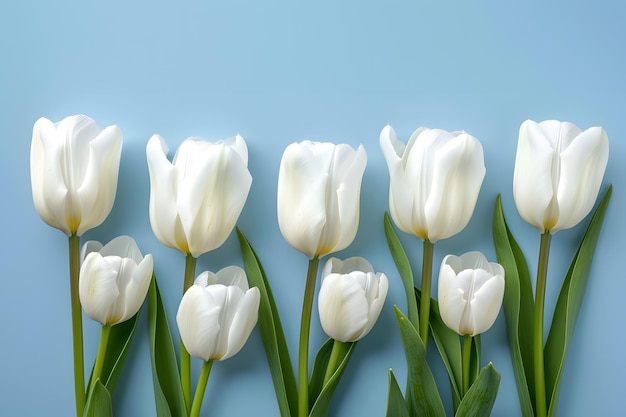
(217, 314)
(471, 290)
(73, 169)
(319, 186)
(434, 181)
(558, 173)
(350, 298)
(114, 280)
(196, 200)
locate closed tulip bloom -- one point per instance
(350, 298)
(319, 186)
(196, 200)
(434, 181)
(558, 173)
(74, 167)
(114, 280)
(217, 314)
(471, 290)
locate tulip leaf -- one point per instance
(422, 395)
(98, 402)
(404, 268)
(319, 370)
(568, 305)
(271, 332)
(396, 405)
(168, 394)
(321, 403)
(479, 399)
(518, 308)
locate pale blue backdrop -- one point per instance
(279, 71)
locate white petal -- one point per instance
(242, 322)
(198, 322)
(124, 246)
(486, 303)
(379, 288)
(137, 288)
(233, 276)
(451, 298)
(98, 289)
(88, 247)
(343, 308)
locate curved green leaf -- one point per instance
(98, 402)
(479, 400)
(168, 394)
(396, 405)
(319, 367)
(518, 308)
(422, 395)
(568, 305)
(322, 401)
(272, 333)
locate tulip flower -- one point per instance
(196, 200)
(350, 298)
(471, 290)
(434, 181)
(558, 173)
(114, 280)
(217, 314)
(74, 168)
(319, 186)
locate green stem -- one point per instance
(201, 388)
(102, 348)
(77, 325)
(467, 355)
(303, 352)
(332, 361)
(185, 359)
(427, 273)
(542, 273)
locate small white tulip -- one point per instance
(196, 200)
(558, 173)
(319, 186)
(74, 167)
(471, 290)
(217, 314)
(114, 280)
(351, 298)
(434, 181)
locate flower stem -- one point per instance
(201, 388)
(185, 360)
(467, 355)
(427, 273)
(102, 348)
(303, 352)
(542, 272)
(332, 361)
(77, 325)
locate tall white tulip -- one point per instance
(73, 169)
(217, 314)
(196, 200)
(350, 298)
(434, 180)
(558, 173)
(114, 280)
(319, 186)
(471, 290)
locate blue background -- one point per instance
(283, 71)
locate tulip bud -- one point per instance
(73, 170)
(217, 314)
(471, 290)
(350, 298)
(114, 280)
(434, 181)
(196, 200)
(558, 173)
(319, 186)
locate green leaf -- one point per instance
(568, 305)
(475, 359)
(271, 333)
(98, 402)
(168, 394)
(322, 402)
(404, 268)
(518, 308)
(422, 396)
(481, 396)
(319, 370)
(396, 405)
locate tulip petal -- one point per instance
(451, 297)
(124, 246)
(486, 300)
(242, 321)
(136, 288)
(343, 308)
(198, 322)
(98, 290)
(375, 293)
